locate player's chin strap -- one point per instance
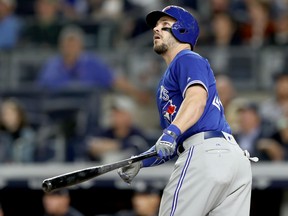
(247, 154)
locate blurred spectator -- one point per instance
(273, 108)
(224, 30)
(280, 36)
(51, 143)
(145, 202)
(74, 68)
(252, 130)
(95, 7)
(279, 139)
(148, 5)
(17, 137)
(259, 28)
(10, 25)
(207, 9)
(220, 6)
(280, 136)
(280, 6)
(58, 203)
(44, 28)
(223, 34)
(133, 27)
(229, 99)
(74, 9)
(226, 89)
(107, 9)
(111, 12)
(121, 138)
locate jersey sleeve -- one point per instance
(192, 70)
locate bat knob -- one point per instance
(46, 186)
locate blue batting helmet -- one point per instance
(185, 29)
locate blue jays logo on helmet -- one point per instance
(185, 29)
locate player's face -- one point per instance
(163, 39)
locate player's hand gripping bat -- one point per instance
(78, 176)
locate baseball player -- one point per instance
(212, 175)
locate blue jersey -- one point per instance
(186, 69)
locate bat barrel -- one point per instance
(68, 179)
(51, 184)
(47, 186)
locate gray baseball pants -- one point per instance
(212, 177)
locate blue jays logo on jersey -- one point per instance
(217, 103)
(169, 110)
(164, 93)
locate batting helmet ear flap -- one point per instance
(178, 28)
(186, 28)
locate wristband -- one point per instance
(173, 131)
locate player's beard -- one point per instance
(161, 49)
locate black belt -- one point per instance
(207, 135)
(213, 134)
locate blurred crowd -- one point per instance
(140, 200)
(60, 25)
(260, 126)
(223, 22)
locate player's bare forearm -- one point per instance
(192, 108)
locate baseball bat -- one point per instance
(78, 176)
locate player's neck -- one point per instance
(172, 52)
